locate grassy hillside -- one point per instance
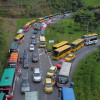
(87, 78)
(94, 3)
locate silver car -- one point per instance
(37, 75)
(25, 86)
(31, 47)
(35, 58)
(33, 36)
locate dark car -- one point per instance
(25, 86)
(33, 41)
(25, 63)
(35, 32)
(35, 58)
(33, 36)
(35, 27)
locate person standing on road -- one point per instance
(59, 92)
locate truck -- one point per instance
(64, 73)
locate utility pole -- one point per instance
(87, 26)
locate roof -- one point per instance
(68, 93)
(31, 95)
(7, 77)
(60, 44)
(41, 18)
(42, 38)
(50, 15)
(20, 31)
(18, 36)
(89, 35)
(77, 41)
(53, 67)
(1, 96)
(13, 57)
(25, 25)
(43, 31)
(48, 80)
(70, 54)
(28, 23)
(63, 48)
(14, 45)
(33, 21)
(65, 69)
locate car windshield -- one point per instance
(51, 71)
(48, 85)
(31, 46)
(68, 56)
(63, 80)
(36, 74)
(25, 83)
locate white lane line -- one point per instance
(45, 97)
(17, 78)
(50, 61)
(41, 53)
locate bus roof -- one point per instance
(1, 96)
(7, 77)
(27, 23)
(89, 35)
(42, 38)
(59, 44)
(62, 48)
(77, 41)
(40, 18)
(14, 45)
(18, 36)
(51, 15)
(31, 95)
(68, 93)
(33, 21)
(14, 57)
(65, 69)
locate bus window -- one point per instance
(7, 83)
(19, 38)
(61, 52)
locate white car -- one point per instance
(31, 47)
(20, 31)
(37, 75)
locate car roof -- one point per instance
(48, 80)
(71, 54)
(53, 67)
(36, 70)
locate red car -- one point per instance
(59, 65)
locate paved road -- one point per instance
(44, 64)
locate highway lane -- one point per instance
(44, 64)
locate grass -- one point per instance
(87, 78)
(66, 30)
(94, 3)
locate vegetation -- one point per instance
(87, 78)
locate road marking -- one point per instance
(45, 97)
(50, 61)
(17, 78)
(41, 53)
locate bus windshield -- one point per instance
(55, 53)
(63, 80)
(42, 42)
(73, 46)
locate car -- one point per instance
(48, 87)
(43, 23)
(35, 31)
(25, 86)
(33, 36)
(25, 63)
(31, 47)
(35, 27)
(35, 58)
(69, 57)
(59, 65)
(33, 41)
(37, 75)
(52, 71)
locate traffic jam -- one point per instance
(58, 75)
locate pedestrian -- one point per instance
(59, 92)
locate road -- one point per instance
(45, 62)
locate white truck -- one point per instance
(63, 76)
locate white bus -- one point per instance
(63, 76)
(90, 39)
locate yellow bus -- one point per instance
(89, 35)
(42, 41)
(19, 38)
(61, 52)
(51, 16)
(40, 20)
(77, 44)
(58, 45)
(29, 24)
(32, 23)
